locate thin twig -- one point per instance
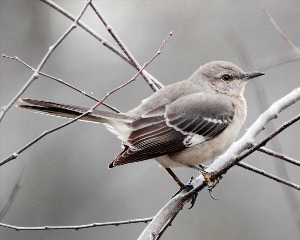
(242, 51)
(279, 155)
(293, 201)
(97, 36)
(281, 33)
(268, 175)
(13, 195)
(35, 74)
(16, 154)
(154, 85)
(60, 81)
(47, 132)
(77, 227)
(87, 29)
(268, 138)
(277, 60)
(263, 64)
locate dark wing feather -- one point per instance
(164, 130)
(204, 114)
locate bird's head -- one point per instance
(224, 77)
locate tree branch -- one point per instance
(13, 195)
(60, 81)
(281, 33)
(242, 51)
(267, 139)
(220, 165)
(154, 85)
(277, 60)
(162, 218)
(97, 36)
(35, 74)
(279, 155)
(76, 227)
(268, 175)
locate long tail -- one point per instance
(117, 123)
(71, 111)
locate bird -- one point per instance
(184, 124)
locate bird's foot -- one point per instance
(186, 188)
(211, 181)
(209, 178)
(194, 196)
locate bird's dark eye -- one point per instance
(227, 77)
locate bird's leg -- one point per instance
(181, 185)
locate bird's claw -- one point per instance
(211, 181)
(184, 188)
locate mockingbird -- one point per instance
(183, 124)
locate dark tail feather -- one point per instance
(72, 111)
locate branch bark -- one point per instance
(269, 175)
(279, 156)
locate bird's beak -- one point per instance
(251, 75)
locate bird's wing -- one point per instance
(187, 121)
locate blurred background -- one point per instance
(66, 178)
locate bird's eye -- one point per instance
(227, 77)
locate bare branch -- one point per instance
(76, 227)
(268, 138)
(263, 64)
(242, 51)
(268, 175)
(162, 218)
(290, 195)
(281, 33)
(97, 36)
(13, 195)
(47, 132)
(279, 155)
(159, 235)
(16, 154)
(220, 165)
(277, 60)
(154, 85)
(60, 81)
(35, 74)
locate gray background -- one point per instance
(67, 181)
